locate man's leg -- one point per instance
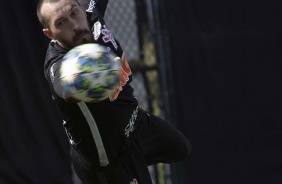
(161, 142)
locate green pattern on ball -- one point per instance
(96, 92)
(81, 83)
(85, 64)
(104, 62)
(65, 84)
(111, 79)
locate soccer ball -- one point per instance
(89, 73)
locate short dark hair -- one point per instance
(43, 20)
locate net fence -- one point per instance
(129, 22)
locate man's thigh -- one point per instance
(160, 141)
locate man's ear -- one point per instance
(48, 33)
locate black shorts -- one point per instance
(154, 141)
(130, 167)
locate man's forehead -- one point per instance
(56, 9)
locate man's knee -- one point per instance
(183, 150)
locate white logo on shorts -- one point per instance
(130, 127)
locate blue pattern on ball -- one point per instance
(81, 83)
(85, 64)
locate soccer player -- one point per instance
(112, 141)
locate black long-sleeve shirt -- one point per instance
(96, 130)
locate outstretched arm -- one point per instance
(95, 5)
(95, 10)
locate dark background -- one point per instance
(226, 67)
(33, 145)
(224, 63)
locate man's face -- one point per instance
(67, 23)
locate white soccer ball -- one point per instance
(89, 73)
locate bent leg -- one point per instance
(161, 142)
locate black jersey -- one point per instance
(97, 130)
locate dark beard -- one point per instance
(71, 44)
(79, 33)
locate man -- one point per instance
(112, 141)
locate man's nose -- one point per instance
(74, 25)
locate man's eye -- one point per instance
(60, 23)
(74, 12)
